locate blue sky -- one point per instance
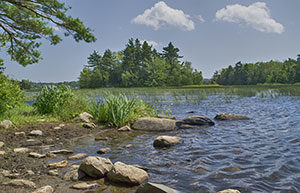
(212, 34)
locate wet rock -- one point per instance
(166, 141)
(128, 174)
(75, 167)
(77, 156)
(229, 191)
(36, 155)
(44, 189)
(22, 134)
(96, 167)
(6, 124)
(84, 186)
(196, 120)
(89, 125)
(166, 117)
(1, 144)
(62, 151)
(60, 164)
(21, 150)
(124, 129)
(36, 133)
(32, 142)
(103, 150)
(8, 174)
(155, 188)
(53, 172)
(51, 155)
(20, 183)
(73, 175)
(230, 116)
(2, 152)
(154, 124)
(84, 117)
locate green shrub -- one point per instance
(60, 102)
(11, 95)
(118, 111)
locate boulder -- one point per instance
(44, 189)
(96, 167)
(36, 155)
(155, 188)
(84, 186)
(229, 191)
(154, 124)
(103, 150)
(127, 174)
(166, 141)
(36, 133)
(230, 116)
(6, 124)
(196, 120)
(84, 117)
(20, 183)
(60, 164)
(124, 129)
(77, 156)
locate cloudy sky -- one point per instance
(212, 34)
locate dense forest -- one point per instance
(286, 72)
(138, 65)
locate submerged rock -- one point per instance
(230, 116)
(128, 174)
(96, 167)
(154, 124)
(166, 141)
(84, 186)
(103, 150)
(44, 189)
(21, 183)
(6, 124)
(229, 191)
(77, 156)
(84, 117)
(155, 188)
(61, 151)
(196, 120)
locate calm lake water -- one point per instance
(257, 155)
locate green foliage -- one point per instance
(11, 95)
(118, 111)
(138, 65)
(285, 72)
(24, 23)
(60, 102)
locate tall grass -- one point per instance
(117, 111)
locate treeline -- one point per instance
(138, 65)
(34, 86)
(286, 72)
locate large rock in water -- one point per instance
(154, 124)
(155, 188)
(96, 167)
(127, 174)
(196, 120)
(166, 141)
(230, 116)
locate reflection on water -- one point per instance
(257, 155)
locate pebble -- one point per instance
(1, 144)
(103, 150)
(44, 189)
(124, 129)
(20, 182)
(31, 142)
(36, 133)
(36, 155)
(61, 151)
(30, 172)
(2, 152)
(53, 172)
(20, 134)
(60, 164)
(8, 174)
(57, 128)
(21, 150)
(84, 185)
(77, 156)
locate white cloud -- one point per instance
(256, 15)
(161, 14)
(200, 18)
(150, 42)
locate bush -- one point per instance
(60, 102)
(118, 111)
(11, 95)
